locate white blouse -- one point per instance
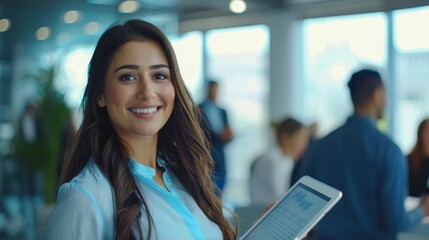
(85, 208)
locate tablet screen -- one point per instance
(291, 215)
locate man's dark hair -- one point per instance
(362, 85)
(212, 82)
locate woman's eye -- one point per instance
(160, 76)
(127, 77)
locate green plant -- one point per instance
(43, 155)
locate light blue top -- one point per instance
(85, 208)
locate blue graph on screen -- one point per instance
(300, 197)
(289, 218)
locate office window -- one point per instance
(333, 48)
(411, 43)
(73, 74)
(189, 52)
(238, 58)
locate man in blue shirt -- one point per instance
(367, 167)
(219, 132)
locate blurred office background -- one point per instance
(272, 58)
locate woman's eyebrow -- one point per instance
(159, 66)
(136, 67)
(127, 66)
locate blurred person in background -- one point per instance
(368, 167)
(30, 128)
(140, 165)
(312, 140)
(219, 132)
(418, 160)
(270, 174)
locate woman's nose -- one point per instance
(145, 90)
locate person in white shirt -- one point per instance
(270, 174)
(140, 165)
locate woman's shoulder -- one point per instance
(90, 181)
(84, 207)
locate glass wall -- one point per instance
(238, 58)
(333, 48)
(189, 53)
(411, 44)
(336, 46)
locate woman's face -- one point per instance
(139, 92)
(300, 141)
(295, 143)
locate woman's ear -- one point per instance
(101, 102)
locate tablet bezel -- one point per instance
(322, 188)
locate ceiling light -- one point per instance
(4, 25)
(92, 28)
(237, 6)
(128, 6)
(72, 16)
(43, 33)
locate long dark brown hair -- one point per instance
(416, 156)
(181, 142)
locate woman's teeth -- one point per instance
(144, 110)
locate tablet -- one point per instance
(296, 213)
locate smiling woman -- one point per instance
(139, 150)
(139, 97)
